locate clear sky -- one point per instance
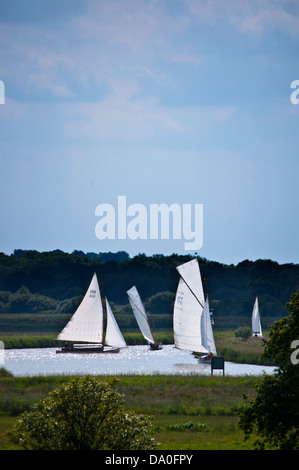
(162, 101)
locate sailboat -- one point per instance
(142, 318)
(87, 326)
(207, 333)
(256, 321)
(191, 316)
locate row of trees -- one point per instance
(57, 281)
(24, 301)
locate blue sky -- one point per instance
(163, 101)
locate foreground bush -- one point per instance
(84, 414)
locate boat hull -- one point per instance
(205, 359)
(155, 347)
(87, 349)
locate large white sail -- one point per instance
(256, 322)
(191, 275)
(140, 314)
(87, 322)
(206, 329)
(113, 336)
(188, 309)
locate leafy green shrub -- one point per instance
(5, 373)
(243, 332)
(189, 426)
(84, 414)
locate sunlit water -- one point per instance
(130, 360)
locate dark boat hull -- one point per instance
(155, 347)
(87, 349)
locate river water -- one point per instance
(130, 360)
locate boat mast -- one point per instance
(190, 289)
(104, 310)
(205, 286)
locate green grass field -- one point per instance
(178, 405)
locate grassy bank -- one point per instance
(188, 412)
(52, 323)
(46, 341)
(242, 351)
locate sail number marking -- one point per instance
(92, 293)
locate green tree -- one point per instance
(84, 414)
(243, 332)
(274, 413)
(160, 303)
(24, 301)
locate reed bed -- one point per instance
(188, 411)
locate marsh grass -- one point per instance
(218, 433)
(170, 400)
(18, 394)
(24, 342)
(239, 350)
(20, 341)
(188, 396)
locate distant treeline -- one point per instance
(55, 281)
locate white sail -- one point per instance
(113, 336)
(87, 322)
(191, 275)
(140, 314)
(206, 329)
(188, 309)
(256, 322)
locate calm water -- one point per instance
(131, 360)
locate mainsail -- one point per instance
(191, 316)
(188, 308)
(190, 273)
(140, 314)
(206, 329)
(113, 336)
(87, 322)
(256, 322)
